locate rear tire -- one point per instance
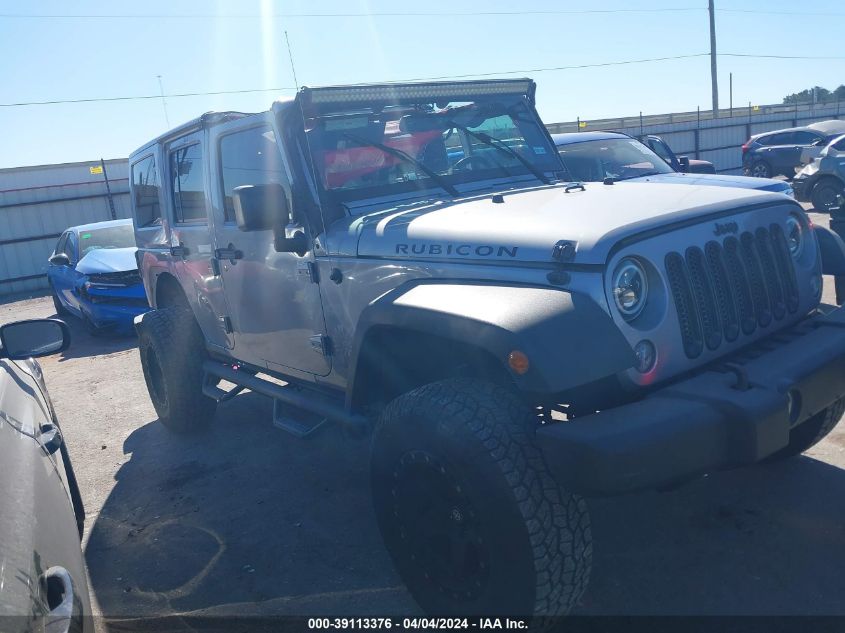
(827, 194)
(172, 352)
(760, 169)
(468, 509)
(811, 432)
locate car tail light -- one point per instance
(746, 146)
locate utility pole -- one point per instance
(713, 75)
(108, 190)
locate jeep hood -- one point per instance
(108, 260)
(526, 225)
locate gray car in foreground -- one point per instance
(43, 586)
(411, 262)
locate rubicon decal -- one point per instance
(459, 250)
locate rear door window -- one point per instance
(145, 192)
(187, 184)
(805, 138)
(781, 138)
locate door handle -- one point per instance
(230, 253)
(58, 587)
(51, 438)
(179, 251)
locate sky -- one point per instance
(120, 48)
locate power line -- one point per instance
(142, 97)
(397, 14)
(522, 71)
(756, 56)
(555, 68)
(376, 14)
(225, 92)
(767, 12)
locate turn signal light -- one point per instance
(518, 362)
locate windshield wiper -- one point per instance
(644, 175)
(499, 145)
(437, 178)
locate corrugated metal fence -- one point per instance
(699, 135)
(38, 203)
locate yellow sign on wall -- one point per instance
(95, 169)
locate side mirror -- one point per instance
(59, 259)
(33, 338)
(260, 207)
(683, 161)
(265, 207)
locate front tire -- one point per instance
(826, 195)
(468, 509)
(811, 432)
(172, 351)
(60, 309)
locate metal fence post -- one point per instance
(697, 134)
(641, 122)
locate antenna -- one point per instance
(163, 102)
(310, 158)
(292, 67)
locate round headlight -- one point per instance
(794, 235)
(629, 288)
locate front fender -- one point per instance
(568, 338)
(832, 251)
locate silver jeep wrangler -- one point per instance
(412, 261)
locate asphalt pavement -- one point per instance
(245, 519)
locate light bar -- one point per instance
(409, 93)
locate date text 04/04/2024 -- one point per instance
(417, 623)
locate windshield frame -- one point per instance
(518, 105)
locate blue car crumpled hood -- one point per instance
(719, 180)
(108, 260)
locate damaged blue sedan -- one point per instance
(94, 276)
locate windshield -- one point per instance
(120, 236)
(617, 158)
(374, 152)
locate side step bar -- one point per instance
(323, 408)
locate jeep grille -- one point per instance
(732, 287)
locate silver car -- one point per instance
(42, 574)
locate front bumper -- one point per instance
(801, 188)
(114, 308)
(723, 417)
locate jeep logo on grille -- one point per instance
(724, 229)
